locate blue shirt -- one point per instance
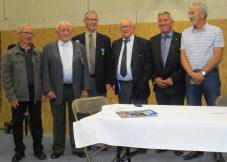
(199, 45)
(168, 42)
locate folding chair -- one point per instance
(221, 101)
(89, 105)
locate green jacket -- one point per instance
(14, 75)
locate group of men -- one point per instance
(87, 65)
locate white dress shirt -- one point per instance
(66, 53)
(128, 77)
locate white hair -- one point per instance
(202, 6)
(22, 26)
(63, 22)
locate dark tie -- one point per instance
(163, 49)
(123, 70)
(92, 54)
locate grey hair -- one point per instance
(20, 27)
(63, 22)
(89, 12)
(165, 13)
(202, 6)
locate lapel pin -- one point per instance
(103, 51)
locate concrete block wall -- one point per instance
(46, 13)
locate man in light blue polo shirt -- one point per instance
(201, 51)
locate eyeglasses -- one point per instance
(91, 19)
(27, 33)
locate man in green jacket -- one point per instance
(21, 74)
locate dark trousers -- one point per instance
(169, 99)
(125, 95)
(34, 110)
(59, 119)
(93, 92)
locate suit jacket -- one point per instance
(173, 66)
(102, 60)
(140, 66)
(52, 70)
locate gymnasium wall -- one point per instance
(146, 30)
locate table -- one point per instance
(194, 128)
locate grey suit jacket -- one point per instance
(52, 71)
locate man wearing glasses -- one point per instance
(98, 51)
(21, 72)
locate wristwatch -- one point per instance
(203, 73)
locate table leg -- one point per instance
(119, 149)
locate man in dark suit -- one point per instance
(132, 66)
(65, 76)
(168, 74)
(98, 51)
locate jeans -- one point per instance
(210, 88)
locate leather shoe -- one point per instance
(18, 156)
(178, 153)
(218, 157)
(160, 151)
(56, 155)
(192, 155)
(80, 154)
(40, 156)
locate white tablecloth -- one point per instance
(175, 128)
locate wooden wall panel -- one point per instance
(146, 30)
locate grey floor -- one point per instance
(7, 146)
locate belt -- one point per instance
(213, 70)
(67, 84)
(126, 81)
(92, 75)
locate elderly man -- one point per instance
(65, 76)
(21, 75)
(132, 66)
(201, 51)
(98, 50)
(168, 75)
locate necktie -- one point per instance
(123, 70)
(164, 48)
(92, 54)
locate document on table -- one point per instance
(137, 113)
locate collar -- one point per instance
(88, 33)
(60, 43)
(131, 38)
(170, 34)
(202, 29)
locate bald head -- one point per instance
(127, 28)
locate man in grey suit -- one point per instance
(65, 78)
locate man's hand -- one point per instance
(160, 82)
(168, 81)
(196, 78)
(51, 95)
(14, 104)
(84, 93)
